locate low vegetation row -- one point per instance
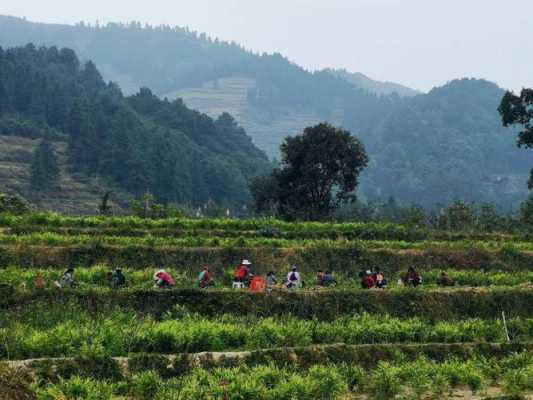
(347, 260)
(54, 239)
(66, 330)
(437, 305)
(252, 227)
(418, 378)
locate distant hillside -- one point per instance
(446, 145)
(77, 193)
(381, 88)
(176, 62)
(424, 148)
(138, 143)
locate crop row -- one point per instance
(98, 276)
(259, 227)
(420, 378)
(62, 331)
(438, 305)
(57, 220)
(364, 233)
(348, 259)
(55, 239)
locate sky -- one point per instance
(418, 43)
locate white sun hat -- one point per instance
(246, 262)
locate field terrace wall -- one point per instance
(367, 356)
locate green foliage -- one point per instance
(13, 205)
(69, 330)
(315, 163)
(516, 110)
(526, 212)
(45, 172)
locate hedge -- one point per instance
(309, 260)
(436, 305)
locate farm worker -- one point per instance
(445, 280)
(320, 277)
(329, 279)
(242, 273)
(163, 279)
(379, 277)
(412, 278)
(117, 278)
(204, 279)
(67, 280)
(258, 284)
(293, 278)
(271, 280)
(367, 281)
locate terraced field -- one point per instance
(230, 95)
(472, 340)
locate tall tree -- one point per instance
(44, 168)
(518, 110)
(319, 171)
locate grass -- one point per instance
(65, 330)
(416, 379)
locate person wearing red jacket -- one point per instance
(242, 273)
(368, 281)
(163, 279)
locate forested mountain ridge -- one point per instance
(429, 148)
(446, 145)
(381, 88)
(173, 61)
(141, 143)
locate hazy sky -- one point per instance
(420, 43)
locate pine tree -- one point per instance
(44, 168)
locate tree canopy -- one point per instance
(44, 168)
(319, 171)
(518, 110)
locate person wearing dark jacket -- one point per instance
(412, 278)
(445, 280)
(118, 279)
(329, 280)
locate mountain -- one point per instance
(446, 145)
(380, 88)
(270, 96)
(427, 148)
(137, 143)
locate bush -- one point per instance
(15, 205)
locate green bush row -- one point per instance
(436, 305)
(260, 227)
(211, 241)
(64, 331)
(343, 260)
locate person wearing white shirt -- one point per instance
(293, 279)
